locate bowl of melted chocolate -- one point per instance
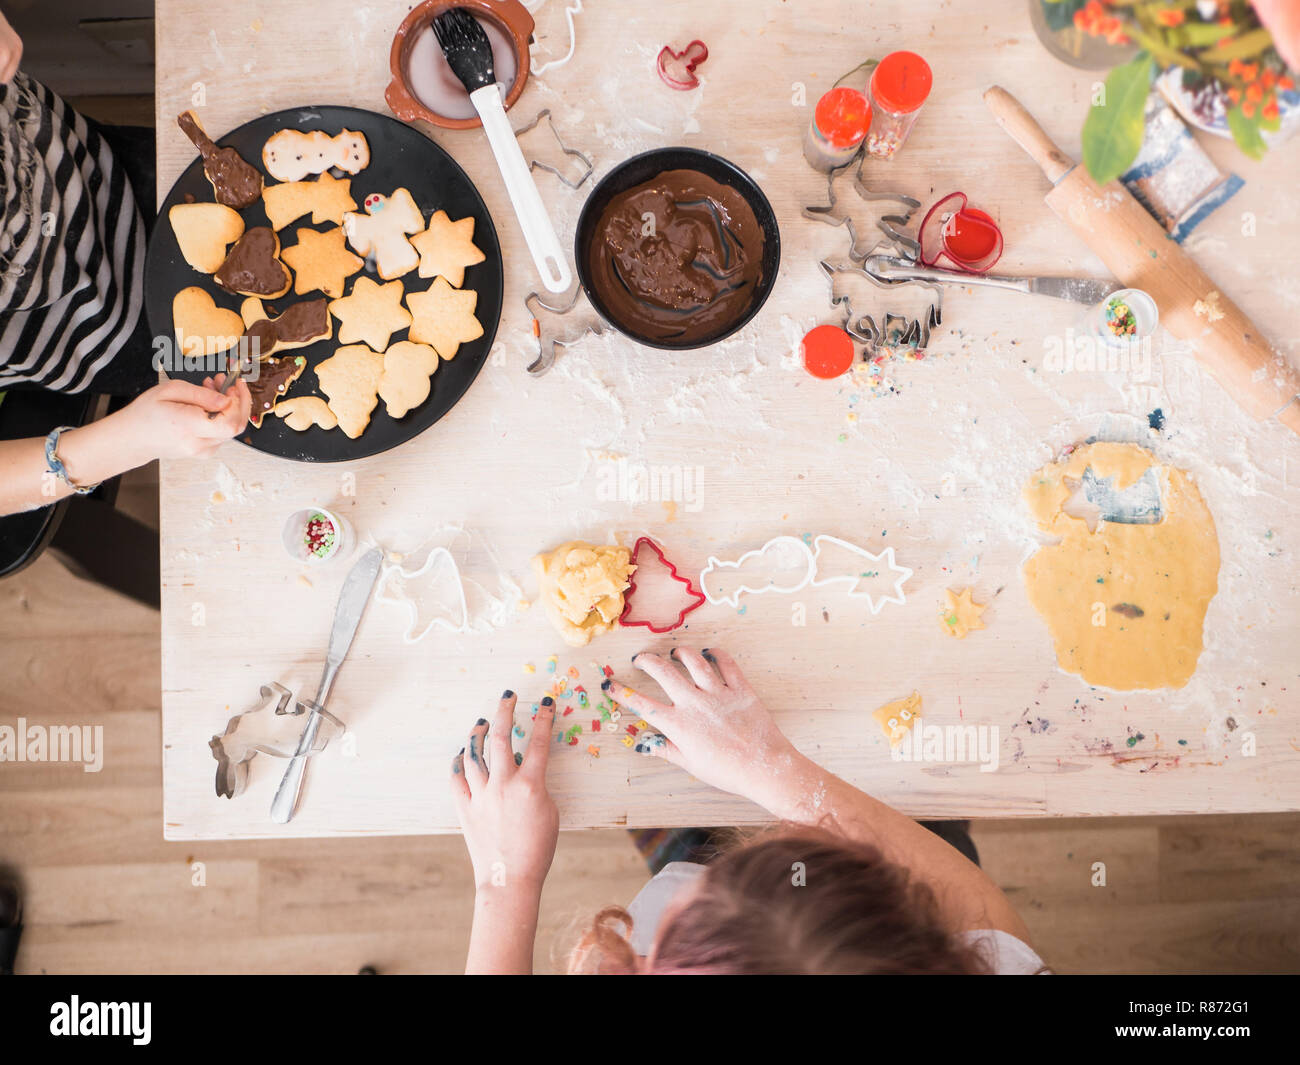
(677, 248)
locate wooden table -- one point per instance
(933, 469)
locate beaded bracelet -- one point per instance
(55, 464)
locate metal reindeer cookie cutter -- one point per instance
(535, 163)
(694, 594)
(548, 345)
(251, 732)
(892, 330)
(803, 566)
(856, 591)
(833, 214)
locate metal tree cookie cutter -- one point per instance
(252, 732)
(893, 330)
(548, 345)
(694, 594)
(832, 213)
(903, 574)
(536, 163)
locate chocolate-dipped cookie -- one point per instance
(235, 183)
(253, 267)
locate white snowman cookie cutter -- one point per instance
(800, 570)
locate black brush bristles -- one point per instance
(466, 46)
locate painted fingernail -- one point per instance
(548, 702)
(480, 722)
(672, 653)
(606, 684)
(507, 694)
(707, 654)
(458, 761)
(634, 657)
(519, 758)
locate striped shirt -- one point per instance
(71, 244)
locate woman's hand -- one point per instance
(715, 727)
(11, 51)
(510, 821)
(171, 420)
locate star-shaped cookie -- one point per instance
(960, 614)
(321, 261)
(447, 247)
(371, 313)
(444, 317)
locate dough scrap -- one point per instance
(897, 718)
(961, 614)
(582, 588)
(1125, 604)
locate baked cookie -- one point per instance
(328, 198)
(268, 384)
(234, 182)
(320, 261)
(302, 324)
(371, 313)
(302, 412)
(447, 247)
(204, 231)
(581, 587)
(444, 317)
(350, 380)
(291, 154)
(203, 328)
(407, 378)
(382, 232)
(253, 267)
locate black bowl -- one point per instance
(644, 167)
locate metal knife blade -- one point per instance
(347, 618)
(1087, 290)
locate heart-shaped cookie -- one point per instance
(203, 328)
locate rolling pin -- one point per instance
(1138, 251)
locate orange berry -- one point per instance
(1234, 94)
(1248, 109)
(1250, 71)
(1235, 68)
(1254, 93)
(1270, 108)
(1285, 83)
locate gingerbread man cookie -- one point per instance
(382, 232)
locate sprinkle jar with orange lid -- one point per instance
(838, 127)
(899, 86)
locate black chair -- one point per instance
(86, 533)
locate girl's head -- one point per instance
(798, 900)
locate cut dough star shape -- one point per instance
(447, 247)
(444, 317)
(371, 313)
(961, 614)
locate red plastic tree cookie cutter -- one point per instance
(678, 68)
(691, 591)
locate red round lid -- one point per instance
(901, 82)
(843, 115)
(827, 351)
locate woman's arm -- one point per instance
(168, 421)
(11, 51)
(511, 826)
(717, 729)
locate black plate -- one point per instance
(646, 167)
(399, 156)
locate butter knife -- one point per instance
(352, 604)
(1086, 290)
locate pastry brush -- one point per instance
(469, 54)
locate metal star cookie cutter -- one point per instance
(886, 556)
(698, 598)
(250, 732)
(573, 153)
(832, 214)
(893, 330)
(716, 565)
(548, 346)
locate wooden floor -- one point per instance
(106, 894)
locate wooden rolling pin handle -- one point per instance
(1027, 133)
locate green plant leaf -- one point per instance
(1112, 132)
(1247, 46)
(1246, 133)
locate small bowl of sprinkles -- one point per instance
(1124, 316)
(315, 535)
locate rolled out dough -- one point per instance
(1124, 603)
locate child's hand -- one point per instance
(510, 821)
(171, 420)
(11, 51)
(716, 728)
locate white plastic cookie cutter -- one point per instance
(800, 571)
(395, 569)
(883, 562)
